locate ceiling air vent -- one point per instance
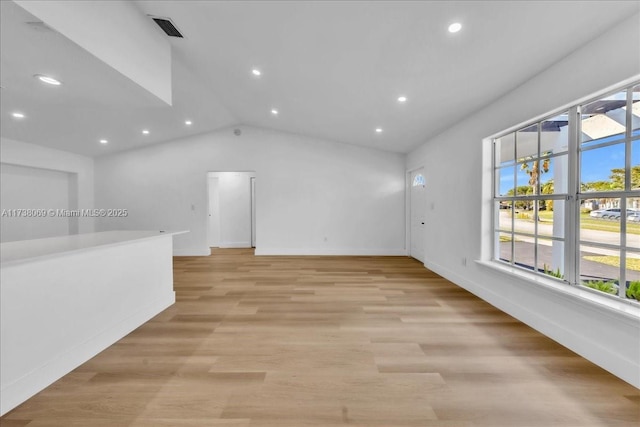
(167, 26)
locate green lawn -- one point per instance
(588, 223)
(614, 261)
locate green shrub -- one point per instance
(634, 290)
(552, 273)
(609, 287)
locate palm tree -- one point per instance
(547, 188)
(534, 169)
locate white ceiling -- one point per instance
(332, 69)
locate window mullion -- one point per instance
(536, 204)
(623, 252)
(622, 282)
(515, 193)
(572, 204)
(628, 132)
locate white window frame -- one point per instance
(572, 199)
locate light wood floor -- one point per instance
(330, 341)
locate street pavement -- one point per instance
(524, 248)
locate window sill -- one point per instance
(618, 307)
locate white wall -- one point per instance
(42, 161)
(35, 190)
(312, 196)
(458, 212)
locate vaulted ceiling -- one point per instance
(333, 70)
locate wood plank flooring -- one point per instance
(330, 341)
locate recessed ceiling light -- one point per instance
(47, 79)
(17, 115)
(378, 130)
(188, 122)
(256, 72)
(103, 141)
(145, 132)
(402, 99)
(455, 27)
(274, 112)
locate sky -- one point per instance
(596, 164)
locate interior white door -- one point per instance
(214, 212)
(231, 209)
(418, 202)
(253, 211)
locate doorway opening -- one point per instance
(231, 209)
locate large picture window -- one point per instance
(567, 195)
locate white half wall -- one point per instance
(43, 161)
(457, 227)
(60, 309)
(312, 196)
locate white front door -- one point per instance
(417, 208)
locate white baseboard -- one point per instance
(235, 244)
(334, 252)
(610, 358)
(28, 385)
(192, 252)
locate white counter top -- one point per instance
(30, 250)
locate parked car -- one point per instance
(612, 213)
(634, 216)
